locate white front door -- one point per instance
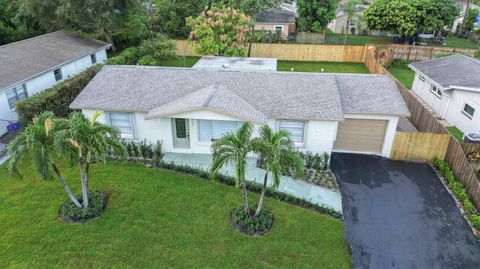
(181, 133)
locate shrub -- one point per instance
(252, 226)
(475, 220)
(97, 204)
(56, 99)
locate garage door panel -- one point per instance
(361, 135)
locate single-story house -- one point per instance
(280, 20)
(451, 87)
(342, 25)
(32, 65)
(189, 108)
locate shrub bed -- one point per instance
(460, 193)
(72, 214)
(252, 226)
(56, 99)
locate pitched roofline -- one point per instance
(203, 109)
(105, 47)
(464, 88)
(429, 78)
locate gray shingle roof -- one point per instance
(30, 57)
(307, 96)
(457, 70)
(237, 63)
(276, 16)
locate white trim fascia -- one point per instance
(106, 47)
(428, 78)
(470, 89)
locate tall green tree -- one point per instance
(410, 17)
(233, 148)
(221, 31)
(14, 25)
(278, 154)
(314, 15)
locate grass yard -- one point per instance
(156, 219)
(462, 43)
(329, 67)
(403, 73)
(355, 40)
(180, 61)
(456, 133)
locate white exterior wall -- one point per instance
(319, 136)
(451, 105)
(45, 81)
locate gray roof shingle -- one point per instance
(286, 95)
(455, 70)
(276, 16)
(30, 57)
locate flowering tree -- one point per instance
(221, 31)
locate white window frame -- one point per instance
(93, 58)
(421, 78)
(305, 124)
(59, 72)
(436, 91)
(15, 91)
(132, 136)
(280, 26)
(238, 125)
(469, 116)
(350, 24)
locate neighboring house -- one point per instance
(32, 65)
(451, 86)
(281, 20)
(462, 5)
(354, 26)
(189, 108)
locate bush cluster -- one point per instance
(316, 161)
(252, 226)
(459, 191)
(143, 150)
(253, 187)
(71, 213)
(56, 99)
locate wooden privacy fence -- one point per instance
(469, 147)
(425, 120)
(292, 52)
(419, 146)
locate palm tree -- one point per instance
(85, 141)
(278, 155)
(233, 148)
(37, 141)
(350, 8)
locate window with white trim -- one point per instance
(436, 91)
(211, 130)
(468, 111)
(58, 74)
(15, 94)
(278, 28)
(93, 58)
(295, 128)
(124, 122)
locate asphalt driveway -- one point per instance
(399, 215)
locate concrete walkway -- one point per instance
(315, 194)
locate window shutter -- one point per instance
(296, 129)
(204, 130)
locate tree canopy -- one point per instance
(411, 17)
(314, 15)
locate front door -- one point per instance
(181, 133)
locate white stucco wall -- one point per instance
(44, 81)
(451, 104)
(319, 136)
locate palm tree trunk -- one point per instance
(262, 196)
(65, 185)
(246, 208)
(84, 190)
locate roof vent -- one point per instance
(226, 65)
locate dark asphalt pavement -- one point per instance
(399, 215)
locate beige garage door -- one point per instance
(359, 135)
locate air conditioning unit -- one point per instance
(472, 138)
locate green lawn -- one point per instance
(329, 67)
(462, 43)
(355, 40)
(403, 73)
(456, 133)
(156, 219)
(180, 61)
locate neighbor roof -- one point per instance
(30, 57)
(276, 16)
(237, 63)
(254, 96)
(455, 70)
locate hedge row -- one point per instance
(56, 99)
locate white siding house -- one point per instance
(38, 63)
(451, 87)
(187, 109)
